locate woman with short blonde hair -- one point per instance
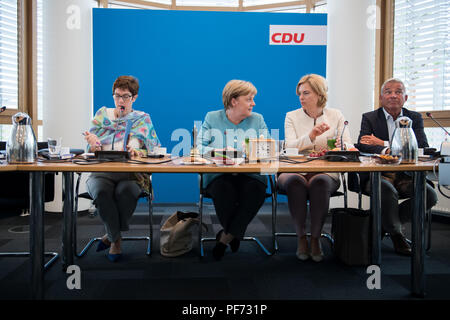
(318, 84)
(236, 88)
(236, 197)
(308, 128)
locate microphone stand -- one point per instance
(115, 131)
(445, 146)
(342, 134)
(431, 117)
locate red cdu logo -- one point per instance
(287, 37)
(298, 35)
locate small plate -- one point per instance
(387, 159)
(228, 162)
(199, 161)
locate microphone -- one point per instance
(122, 109)
(2, 109)
(431, 117)
(342, 134)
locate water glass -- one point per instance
(281, 147)
(54, 146)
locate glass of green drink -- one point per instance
(331, 142)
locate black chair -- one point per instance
(86, 195)
(354, 185)
(293, 234)
(204, 194)
(15, 194)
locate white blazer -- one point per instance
(298, 125)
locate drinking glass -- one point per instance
(54, 146)
(331, 142)
(281, 147)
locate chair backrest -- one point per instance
(16, 192)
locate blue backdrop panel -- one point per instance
(183, 59)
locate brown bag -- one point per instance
(176, 233)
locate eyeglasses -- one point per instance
(125, 97)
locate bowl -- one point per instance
(387, 159)
(366, 160)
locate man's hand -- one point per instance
(371, 140)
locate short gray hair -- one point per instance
(393, 80)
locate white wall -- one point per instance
(67, 83)
(350, 59)
(350, 67)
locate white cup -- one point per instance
(420, 152)
(159, 150)
(291, 151)
(65, 151)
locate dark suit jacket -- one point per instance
(374, 122)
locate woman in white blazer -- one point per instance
(308, 128)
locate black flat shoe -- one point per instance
(218, 235)
(219, 250)
(234, 244)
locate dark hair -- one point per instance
(127, 83)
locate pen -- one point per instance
(85, 134)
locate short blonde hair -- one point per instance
(235, 89)
(318, 85)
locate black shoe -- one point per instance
(401, 246)
(219, 250)
(218, 235)
(234, 244)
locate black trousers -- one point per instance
(393, 214)
(237, 199)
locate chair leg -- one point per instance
(49, 263)
(201, 239)
(429, 216)
(149, 238)
(293, 234)
(200, 231)
(150, 224)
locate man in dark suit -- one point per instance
(376, 132)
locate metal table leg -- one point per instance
(200, 216)
(375, 208)
(68, 220)
(37, 234)
(418, 237)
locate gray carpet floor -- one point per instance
(247, 275)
